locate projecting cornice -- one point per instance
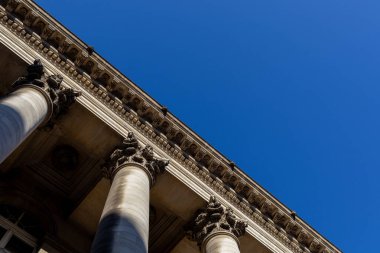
(79, 61)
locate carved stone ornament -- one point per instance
(70, 59)
(130, 152)
(61, 97)
(212, 219)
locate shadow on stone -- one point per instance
(117, 234)
(12, 129)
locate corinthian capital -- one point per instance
(61, 97)
(214, 218)
(35, 73)
(130, 152)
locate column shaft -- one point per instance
(124, 224)
(21, 112)
(220, 243)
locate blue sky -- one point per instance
(289, 90)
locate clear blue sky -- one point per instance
(289, 90)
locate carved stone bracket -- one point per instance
(61, 98)
(214, 218)
(130, 152)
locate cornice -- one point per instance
(73, 57)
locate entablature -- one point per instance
(132, 105)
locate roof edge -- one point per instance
(45, 34)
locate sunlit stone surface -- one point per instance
(124, 225)
(21, 112)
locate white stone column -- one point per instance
(34, 101)
(21, 112)
(220, 242)
(124, 224)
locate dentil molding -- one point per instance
(79, 61)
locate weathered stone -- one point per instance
(33, 103)
(212, 219)
(124, 225)
(130, 152)
(61, 98)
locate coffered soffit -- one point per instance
(83, 65)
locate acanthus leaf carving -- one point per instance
(213, 218)
(61, 98)
(71, 53)
(131, 152)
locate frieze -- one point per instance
(182, 145)
(280, 219)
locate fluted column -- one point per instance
(221, 242)
(32, 103)
(216, 229)
(124, 224)
(21, 112)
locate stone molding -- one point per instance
(131, 153)
(214, 218)
(59, 98)
(44, 35)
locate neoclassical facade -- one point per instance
(91, 163)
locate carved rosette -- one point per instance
(61, 98)
(130, 152)
(214, 218)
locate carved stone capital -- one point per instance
(61, 98)
(130, 152)
(214, 218)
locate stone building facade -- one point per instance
(90, 163)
